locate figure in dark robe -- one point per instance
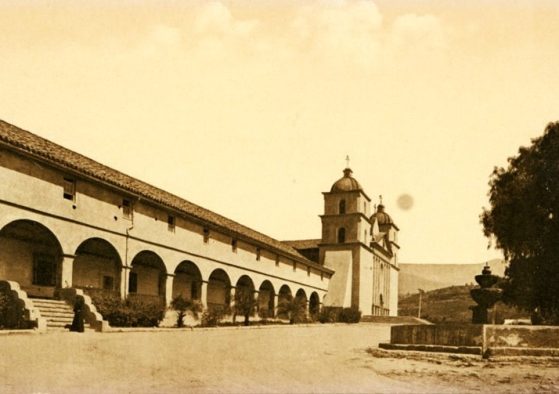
(77, 323)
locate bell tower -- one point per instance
(346, 235)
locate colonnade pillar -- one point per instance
(204, 294)
(169, 288)
(276, 301)
(232, 298)
(124, 281)
(67, 270)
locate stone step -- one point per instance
(49, 303)
(56, 313)
(52, 306)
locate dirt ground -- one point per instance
(316, 359)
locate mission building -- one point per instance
(70, 225)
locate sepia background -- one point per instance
(250, 108)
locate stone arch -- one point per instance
(188, 281)
(266, 296)
(219, 289)
(284, 295)
(245, 283)
(301, 295)
(31, 255)
(148, 275)
(97, 267)
(314, 303)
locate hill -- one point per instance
(450, 305)
(434, 276)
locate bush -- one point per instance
(212, 316)
(132, 312)
(11, 314)
(329, 314)
(350, 315)
(336, 314)
(294, 309)
(182, 306)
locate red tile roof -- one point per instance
(303, 243)
(38, 147)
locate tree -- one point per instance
(524, 221)
(245, 304)
(182, 306)
(294, 308)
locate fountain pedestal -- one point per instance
(485, 295)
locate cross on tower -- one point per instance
(380, 199)
(347, 161)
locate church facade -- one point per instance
(69, 222)
(360, 247)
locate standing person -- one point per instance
(77, 323)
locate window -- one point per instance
(206, 235)
(277, 260)
(365, 235)
(126, 208)
(258, 252)
(294, 266)
(171, 223)
(234, 245)
(133, 283)
(308, 271)
(69, 189)
(342, 207)
(341, 235)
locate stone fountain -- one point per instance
(481, 337)
(485, 295)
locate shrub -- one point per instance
(182, 306)
(132, 312)
(212, 316)
(335, 314)
(350, 315)
(329, 314)
(294, 309)
(264, 315)
(12, 315)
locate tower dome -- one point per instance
(346, 184)
(382, 217)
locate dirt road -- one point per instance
(325, 359)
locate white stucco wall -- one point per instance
(33, 191)
(339, 291)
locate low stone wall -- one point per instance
(449, 335)
(491, 340)
(521, 336)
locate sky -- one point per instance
(249, 108)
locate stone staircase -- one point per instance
(57, 313)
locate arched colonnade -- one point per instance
(32, 255)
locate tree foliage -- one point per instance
(524, 221)
(293, 308)
(245, 304)
(182, 306)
